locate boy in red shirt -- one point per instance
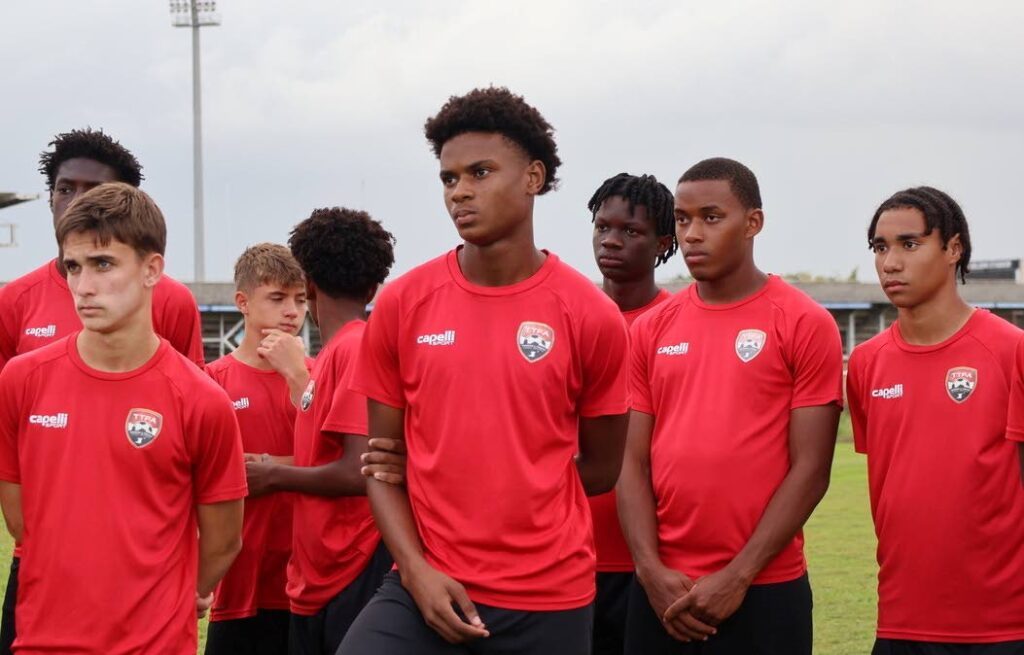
(37, 308)
(250, 609)
(928, 400)
(736, 395)
(115, 451)
(502, 370)
(338, 559)
(634, 232)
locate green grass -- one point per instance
(840, 550)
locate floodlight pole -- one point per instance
(196, 14)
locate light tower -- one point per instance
(196, 14)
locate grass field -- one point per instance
(840, 549)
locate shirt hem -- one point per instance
(816, 402)
(1015, 435)
(390, 401)
(346, 428)
(517, 604)
(910, 635)
(238, 493)
(615, 568)
(7, 476)
(604, 410)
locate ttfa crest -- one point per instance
(961, 382)
(749, 344)
(535, 340)
(143, 426)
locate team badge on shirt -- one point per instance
(960, 382)
(307, 395)
(749, 344)
(535, 340)
(142, 426)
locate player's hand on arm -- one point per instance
(602, 440)
(433, 591)
(636, 503)
(10, 501)
(286, 353)
(220, 540)
(385, 460)
(341, 477)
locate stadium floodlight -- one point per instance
(196, 14)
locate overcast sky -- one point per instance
(834, 105)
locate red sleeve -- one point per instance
(177, 320)
(604, 349)
(816, 359)
(1015, 415)
(856, 404)
(215, 444)
(347, 413)
(8, 326)
(10, 467)
(377, 374)
(639, 382)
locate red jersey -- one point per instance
(612, 551)
(111, 468)
(494, 381)
(334, 538)
(37, 309)
(721, 382)
(945, 483)
(266, 417)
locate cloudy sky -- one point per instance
(834, 105)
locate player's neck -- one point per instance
(246, 351)
(504, 262)
(123, 350)
(934, 320)
(332, 314)
(741, 283)
(631, 294)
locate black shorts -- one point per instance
(902, 647)
(265, 633)
(610, 612)
(321, 633)
(774, 619)
(10, 600)
(392, 625)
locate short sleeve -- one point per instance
(218, 464)
(10, 467)
(1015, 415)
(604, 349)
(816, 360)
(347, 412)
(8, 326)
(639, 380)
(377, 374)
(856, 404)
(177, 320)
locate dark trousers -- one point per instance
(774, 619)
(610, 608)
(321, 633)
(392, 625)
(902, 647)
(10, 600)
(265, 633)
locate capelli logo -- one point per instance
(56, 421)
(888, 393)
(446, 338)
(241, 403)
(44, 332)
(680, 348)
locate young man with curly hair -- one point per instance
(38, 309)
(250, 609)
(338, 559)
(501, 369)
(634, 232)
(116, 453)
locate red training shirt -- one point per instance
(494, 381)
(721, 382)
(37, 309)
(334, 538)
(111, 468)
(945, 483)
(266, 417)
(612, 552)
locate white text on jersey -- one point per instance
(895, 391)
(41, 332)
(241, 403)
(49, 420)
(446, 338)
(680, 348)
